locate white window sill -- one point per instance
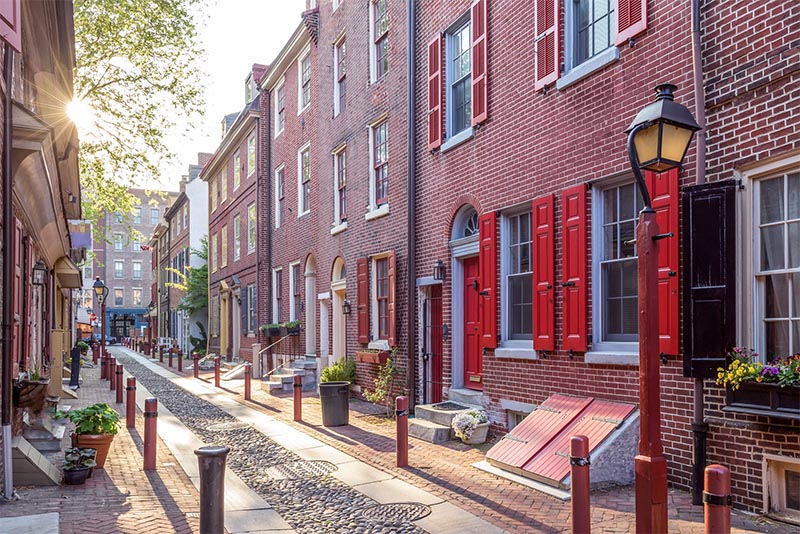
(339, 228)
(303, 214)
(378, 345)
(588, 67)
(612, 358)
(457, 139)
(300, 111)
(250, 251)
(377, 213)
(512, 352)
(277, 134)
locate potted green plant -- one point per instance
(272, 329)
(78, 464)
(334, 392)
(384, 384)
(471, 427)
(95, 427)
(292, 327)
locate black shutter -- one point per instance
(245, 316)
(709, 283)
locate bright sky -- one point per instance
(237, 34)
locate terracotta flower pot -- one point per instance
(100, 442)
(379, 357)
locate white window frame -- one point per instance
(133, 296)
(137, 215)
(373, 210)
(373, 59)
(157, 213)
(305, 54)
(278, 212)
(774, 467)
(278, 128)
(300, 211)
(575, 72)
(186, 216)
(251, 243)
(454, 138)
(237, 170)
(214, 253)
(376, 343)
(275, 300)
(339, 225)
(133, 270)
(223, 240)
(293, 312)
(119, 242)
(336, 88)
(335, 5)
(114, 296)
(237, 237)
(605, 352)
(251, 155)
(222, 177)
(121, 272)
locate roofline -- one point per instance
(240, 126)
(175, 205)
(300, 38)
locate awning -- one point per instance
(68, 274)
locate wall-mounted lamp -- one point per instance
(439, 271)
(71, 198)
(346, 308)
(39, 273)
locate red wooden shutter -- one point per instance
(631, 19)
(547, 42)
(573, 267)
(10, 23)
(543, 274)
(435, 93)
(664, 194)
(479, 56)
(392, 298)
(487, 271)
(363, 299)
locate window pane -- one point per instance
(772, 248)
(796, 300)
(610, 205)
(627, 206)
(520, 295)
(627, 232)
(794, 244)
(610, 243)
(777, 339)
(777, 296)
(793, 183)
(771, 200)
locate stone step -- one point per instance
(441, 413)
(45, 440)
(304, 364)
(428, 431)
(469, 397)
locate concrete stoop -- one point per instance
(31, 468)
(432, 422)
(282, 380)
(44, 432)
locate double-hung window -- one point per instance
(186, 216)
(304, 75)
(294, 285)
(277, 295)
(382, 296)
(251, 310)
(518, 278)
(380, 37)
(214, 253)
(224, 246)
(279, 196)
(119, 297)
(137, 215)
(593, 28)
(251, 155)
(137, 297)
(154, 215)
(459, 79)
(119, 242)
(340, 76)
(340, 159)
(380, 162)
(251, 228)
(212, 192)
(137, 270)
(280, 108)
(223, 182)
(119, 269)
(777, 265)
(237, 237)
(304, 180)
(237, 171)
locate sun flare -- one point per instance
(81, 114)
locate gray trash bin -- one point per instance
(334, 398)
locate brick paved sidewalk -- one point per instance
(121, 497)
(445, 470)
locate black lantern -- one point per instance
(100, 290)
(439, 271)
(346, 308)
(151, 307)
(39, 273)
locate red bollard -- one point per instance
(130, 406)
(119, 383)
(196, 368)
(103, 365)
(150, 420)
(112, 365)
(216, 371)
(180, 361)
(160, 355)
(170, 358)
(717, 499)
(247, 381)
(297, 389)
(402, 431)
(579, 484)
(95, 354)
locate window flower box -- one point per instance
(372, 356)
(771, 400)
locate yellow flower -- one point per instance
(759, 379)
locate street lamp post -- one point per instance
(150, 308)
(101, 291)
(657, 141)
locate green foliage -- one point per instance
(98, 418)
(76, 458)
(194, 282)
(343, 370)
(83, 346)
(199, 344)
(291, 324)
(137, 68)
(384, 383)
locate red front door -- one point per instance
(473, 359)
(436, 344)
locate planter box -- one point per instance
(479, 435)
(30, 395)
(379, 357)
(769, 400)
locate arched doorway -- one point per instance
(338, 298)
(467, 358)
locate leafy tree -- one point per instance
(194, 282)
(137, 71)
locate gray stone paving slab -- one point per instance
(395, 490)
(325, 452)
(447, 518)
(355, 473)
(241, 521)
(30, 524)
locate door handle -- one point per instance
(672, 273)
(567, 284)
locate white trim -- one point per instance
(373, 67)
(454, 139)
(293, 313)
(278, 169)
(517, 350)
(275, 271)
(373, 201)
(300, 151)
(774, 485)
(252, 249)
(339, 228)
(306, 53)
(337, 217)
(588, 67)
(377, 213)
(514, 346)
(380, 344)
(281, 84)
(324, 296)
(237, 236)
(336, 45)
(461, 137)
(424, 281)
(612, 358)
(250, 171)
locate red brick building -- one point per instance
(232, 174)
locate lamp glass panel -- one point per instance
(646, 143)
(674, 141)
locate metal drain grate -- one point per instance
(301, 470)
(396, 512)
(225, 427)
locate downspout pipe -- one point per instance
(8, 276)
(412, 203)
(268, 173)
(699, 426)
(259, 176)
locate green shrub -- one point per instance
(98, 418)
(342, 371)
